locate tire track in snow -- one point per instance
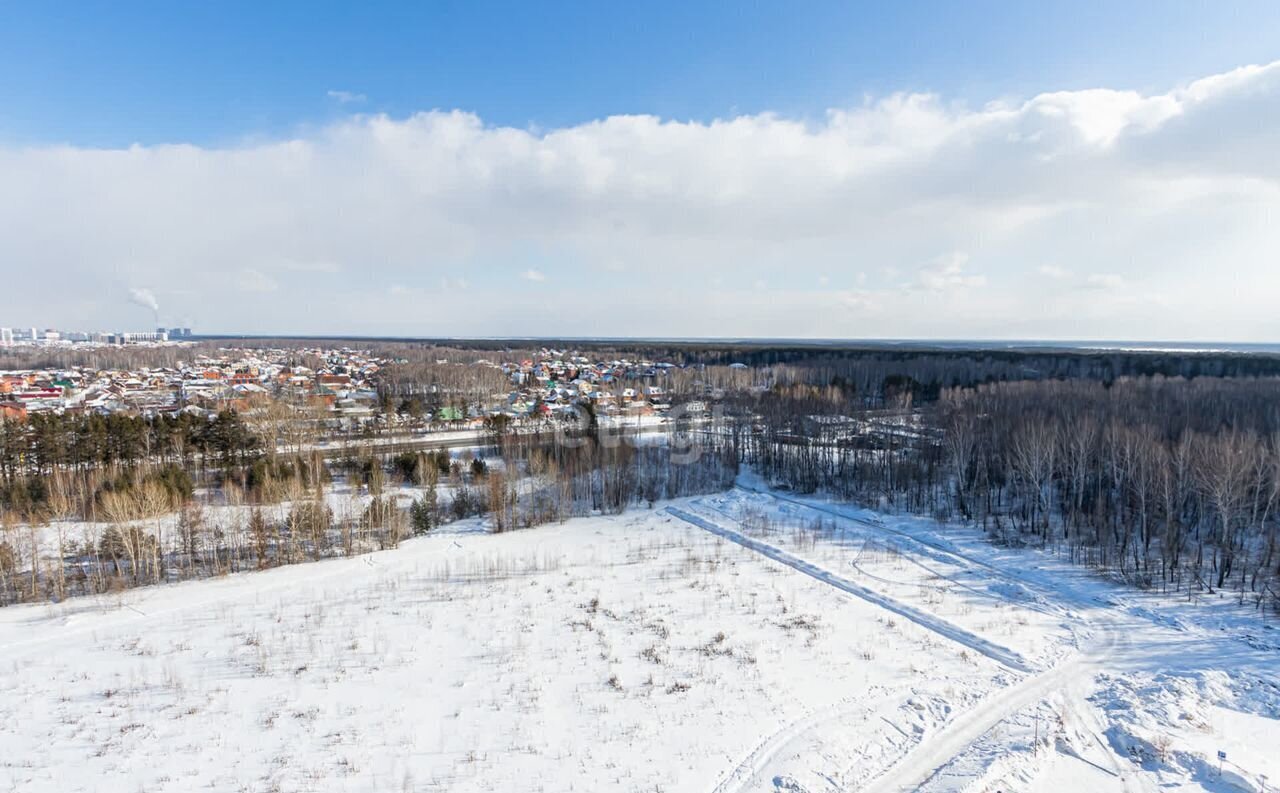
(946, 549)
(758, 758)
(1052, 594)
(935, 752)
(1043, 604)
(1001, 655)
(748, 773)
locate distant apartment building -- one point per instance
(138, 337)
(6, 337)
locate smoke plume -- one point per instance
(147, 299)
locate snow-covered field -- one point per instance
(742, 642)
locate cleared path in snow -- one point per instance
(927, 758)
(948, 551)
(1055, 592)
(1001, 655)
(1106, 635)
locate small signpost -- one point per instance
(1222, 756)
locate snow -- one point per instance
(1000, 655)
(1108, 644)
(747, 641)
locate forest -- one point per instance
(1162, 469)
(135, 520)
(1166, 482)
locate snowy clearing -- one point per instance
(747, 641)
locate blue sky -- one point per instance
(115, 73)
(1083, 170)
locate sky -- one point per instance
(1080, 170)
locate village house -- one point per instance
(13, 411)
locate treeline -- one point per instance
(444, 372)
(868, 364)
(147, 538)
(897, 377)
(101, 493)
(48, 443)
(1170, 483)
(880, 375)
(100, 358)
(147, 524)
(548, 477)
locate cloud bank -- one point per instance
(1083, 214)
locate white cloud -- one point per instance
(533, 275)
(857, 299)
(345, 97)
(1100, 116)
(1154, 189)
(251, 280)
(947, 273)
(1105, 281)
(315, 266)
